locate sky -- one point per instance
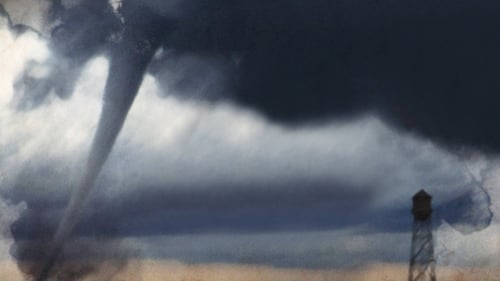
(215, 163)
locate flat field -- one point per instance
(164, 270)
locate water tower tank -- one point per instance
(422, 205)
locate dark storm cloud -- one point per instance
(296, 205)
(146, 210)
(424, 65)
(234, 209)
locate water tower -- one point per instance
(422, 262)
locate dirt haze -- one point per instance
(161, 270)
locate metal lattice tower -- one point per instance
(422, 262)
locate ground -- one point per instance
(160, 270)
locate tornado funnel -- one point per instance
(126, 70)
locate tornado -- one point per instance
(126, 71)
